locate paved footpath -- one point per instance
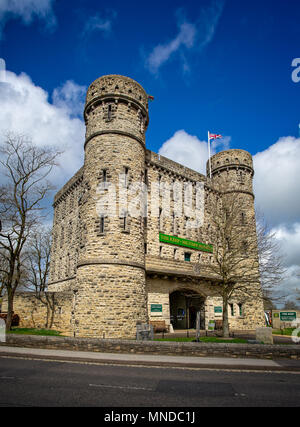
(281, 365)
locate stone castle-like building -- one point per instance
(109, 272)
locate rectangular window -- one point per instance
(104, 175)
(231, 306)
(243, 218)
(174, 223)
(109, 112)
(228, 244)
(145, 219)
(241, 309)
(160, 251)
(187, 256)
(126, 173)
(124, 220)
(160, 219)
(102, 224)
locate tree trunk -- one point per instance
(51, 308)
(48, 315)
(52, 316)
(225, 319)
(10, 310)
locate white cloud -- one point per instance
(289, 238)
(289, 288)
(26, 109)
(190, 151)
(161, 53)
(70, 97)
(196, 35)
(98, 23)
(276, 181)
(276, 186)
(187, 150)
(27, 11)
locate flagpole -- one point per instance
(209, 155)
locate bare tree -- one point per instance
(291, 305)
(24, 168)
(38, 266)
(271, 260)
(239, 248)
(2, 285)
(3, 267)
(235, 257)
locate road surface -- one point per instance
(27, 382)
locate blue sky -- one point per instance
(218, 65)
(238, 83)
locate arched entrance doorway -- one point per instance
(184, 306)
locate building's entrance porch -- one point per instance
(184, 306)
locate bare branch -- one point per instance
(25, 168)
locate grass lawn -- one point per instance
(286, 331)
(206, 339)
(32, 331)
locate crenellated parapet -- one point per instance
(233, 169)
(116, 105)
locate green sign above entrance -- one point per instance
(172, 240)
(288, 316)
(218, 309)
(156, 308)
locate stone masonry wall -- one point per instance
(33, 313)
(102, 260)
(158, 348)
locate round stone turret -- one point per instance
(235, 167)
(111, 264)
(116, 104)
(232, 159)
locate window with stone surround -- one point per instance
(125, 221)
(187, 256)
(243, 218)
(174, 228)
(102, 224)
(104, 175)
(62, 237)
(241, 176)
(240, 305)
(146, 181)
(228, 244)
(160, 220)
(126, 176)
(109, 112)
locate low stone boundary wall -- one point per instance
(156, 348)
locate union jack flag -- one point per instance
(214, 136)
